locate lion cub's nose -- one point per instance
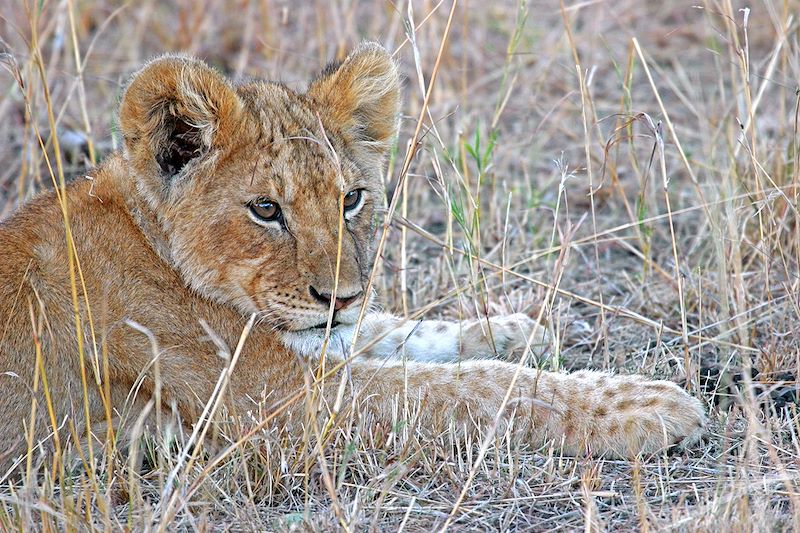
(341, 301)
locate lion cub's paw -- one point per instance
(632, 416)
(680, 419)
(511, 333)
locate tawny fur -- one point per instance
(165, 239)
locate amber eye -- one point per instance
(352, 200)
(265, 210)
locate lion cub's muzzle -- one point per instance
(346, 310)
(340, 302)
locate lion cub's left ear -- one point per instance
(362, 94)
(175, 111)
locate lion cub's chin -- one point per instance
(346, 317)
(309, 342)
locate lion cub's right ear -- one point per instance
(362, 94)
(175, 110)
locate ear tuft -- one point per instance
(185, 143)
(362, 94)
(173, 111)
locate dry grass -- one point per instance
(654, 187)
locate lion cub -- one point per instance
(227, 201)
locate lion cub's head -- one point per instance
(251, 183)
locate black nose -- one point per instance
(340, 303)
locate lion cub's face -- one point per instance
(252, 184)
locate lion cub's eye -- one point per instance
(352, 200)
(265, 210)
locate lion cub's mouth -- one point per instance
(324, 325)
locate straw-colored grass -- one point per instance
(627, 167)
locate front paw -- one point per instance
(512, 333)
(632, 415)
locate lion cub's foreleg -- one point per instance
(383, 336)
(583, 411)
(433, 362)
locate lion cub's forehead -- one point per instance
(281, 113)
(296, 151)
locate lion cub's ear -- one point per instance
(362, 94)
(175, 110)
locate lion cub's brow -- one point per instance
(286, 169)
(301, 150)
